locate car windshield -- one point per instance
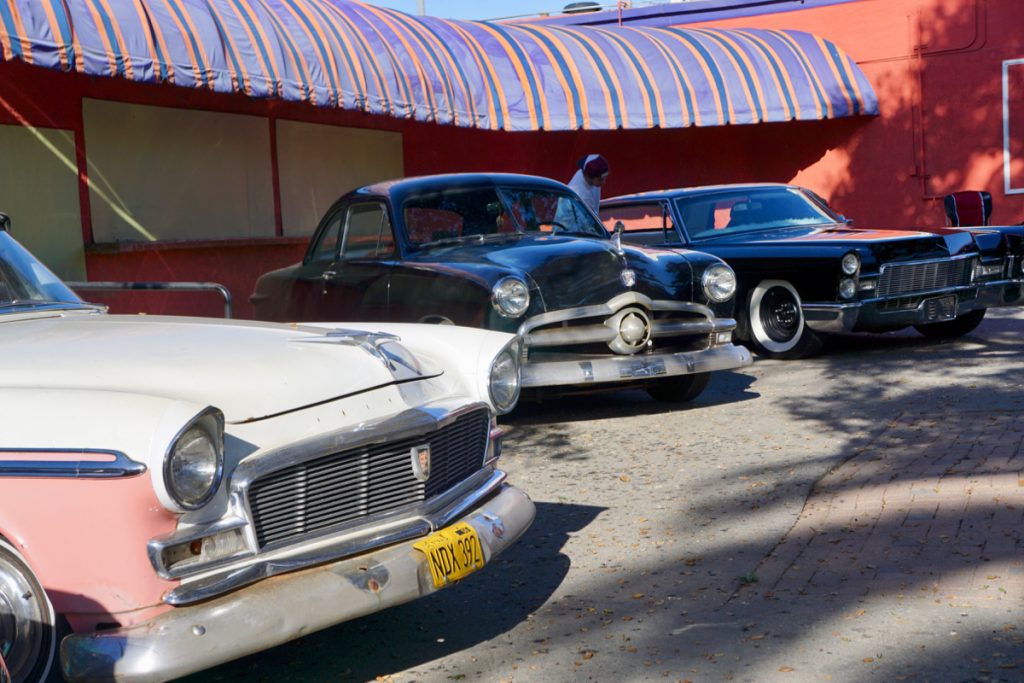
(719, 214)
(458, 213)
(27, 283)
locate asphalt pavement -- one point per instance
(852, 517)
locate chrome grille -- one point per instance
(368, 480)
(898, 279)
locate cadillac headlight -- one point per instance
(851, 263)
(195, 462)
(504, 380)
(510, 297)
(847, 288)
(719, 282)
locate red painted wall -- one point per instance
(935, 64)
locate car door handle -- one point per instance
(328, 275)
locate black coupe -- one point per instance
(519, 254)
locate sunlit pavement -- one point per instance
(852, 517)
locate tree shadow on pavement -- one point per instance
(907, 562)
(480, 608)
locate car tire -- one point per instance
(775, 322)
(28, 625)
(680, 389)
(957, 327)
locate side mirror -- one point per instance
(619, 228)
(5, 222)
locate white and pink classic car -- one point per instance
(166, 483)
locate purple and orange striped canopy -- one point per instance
(500, 76)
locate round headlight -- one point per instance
(504, 381)
(851, 263)
(847, 288)
(194, 466)
(719, 282)
(510, 297)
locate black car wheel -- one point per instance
(680, 389)
(776, 322)
(28, 632)
(957, 327)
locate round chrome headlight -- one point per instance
(195, 463)
(719, 282)
(851, 263)
(510, 297)
(847, 288)
(505, 379)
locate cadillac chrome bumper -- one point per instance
(867, 315)
(196, 637)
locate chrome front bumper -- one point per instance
(607, 369)
(867, 316)
(196, 637)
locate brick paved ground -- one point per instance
(934, 507)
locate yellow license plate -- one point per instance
(452, 553)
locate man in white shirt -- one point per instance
(588, 180)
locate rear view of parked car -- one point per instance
(519, 254)
(803, 269)
(179, 492)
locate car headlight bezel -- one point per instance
(719, 283)
(510, 297)
(850, 263)
(504, 388)
(208, 426)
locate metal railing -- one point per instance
(161, 286)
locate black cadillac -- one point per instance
(803, 269)
(521, 254)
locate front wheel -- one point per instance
(776, 322)
(957, 327)
(681, 389)
(28, 633)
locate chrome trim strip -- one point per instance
(946, 259)
(927, 293)
(121, 466)
(318, 549)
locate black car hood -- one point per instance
(887, 245)
(571, 271)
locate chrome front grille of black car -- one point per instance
(898, 279)
(349, 485)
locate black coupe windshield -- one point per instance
(457, 213)
(27, 283)
(738, 211)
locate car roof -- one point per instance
(398, 188)
(700, 189)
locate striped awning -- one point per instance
(523, 76)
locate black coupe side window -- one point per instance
(326, 248)
(367, 233)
